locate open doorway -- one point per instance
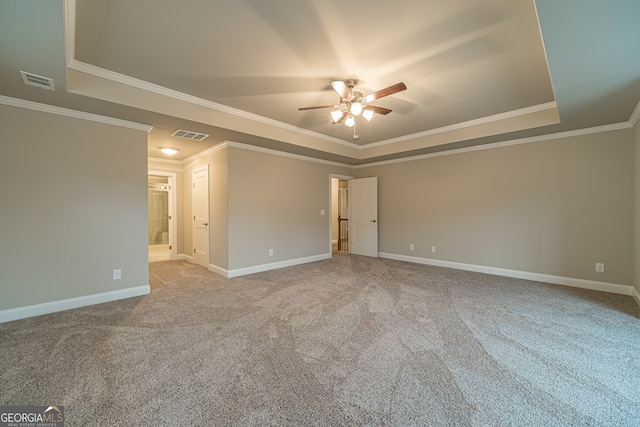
(339, 215)
(161, 202)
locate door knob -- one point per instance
(373, 220)
(205, 223)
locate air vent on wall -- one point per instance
(37, 81)
(190, 135)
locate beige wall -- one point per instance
(554, 207)
(73, 207)
(636, 211)
(275, 203)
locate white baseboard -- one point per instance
(219, 270)
(636, 296)
(69, 303)
(546, 278)
(266, 267)
(184, 257)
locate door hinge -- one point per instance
(194, 217)
(170, 247)
(169, 216)
(194, 250)
(194, 185)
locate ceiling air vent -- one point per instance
(37, 81)
(190, 135)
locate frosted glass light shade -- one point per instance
(350, 121)
(336, 115)
(356, 108)
(367, 114)
(169, 151)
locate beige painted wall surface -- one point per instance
(74, 207)
(636, 211)
(554, 207)
(275, 203)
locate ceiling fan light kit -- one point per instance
(353, 103)
(350, 121)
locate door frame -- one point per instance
(342, 178)
(359, 222)
(204, 168)
(173, 238)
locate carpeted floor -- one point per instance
(347, 341)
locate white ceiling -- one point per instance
(477, 71)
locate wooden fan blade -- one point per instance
(341, 88)
(316, 108)
(341, 118)
(378, 110)
(398, 87)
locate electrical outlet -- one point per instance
(599, 267)
(411, 247)
(270, 252)
(433, 249)
(117, 274)
(321, 212)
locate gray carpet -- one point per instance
(347, 341)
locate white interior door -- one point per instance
(201, 216)
(363, 216)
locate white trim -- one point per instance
(635, 116)
(180, 96)
(189, 161)
(284, 154)
(173, 208)
(203, 168)
(71, 303)
(70, 29)
(185, 257)
(467, 124)
(271, 266)
(509, 143)
(636, 296)
(219, 270)
(52, 109)
(333, 176)
(613, 288)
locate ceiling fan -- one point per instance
(353, 103)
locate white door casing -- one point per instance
(363, 216)
(201, 216)
(171, 177)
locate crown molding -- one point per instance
(52, 109)
(635, 116)
(467, 124)
(529, 140)
(189, 161)
(285, 154)
(180, 96)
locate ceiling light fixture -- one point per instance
(336, 115)
(350, 121)
(356, 108)
(169, 151)
(354, 103)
